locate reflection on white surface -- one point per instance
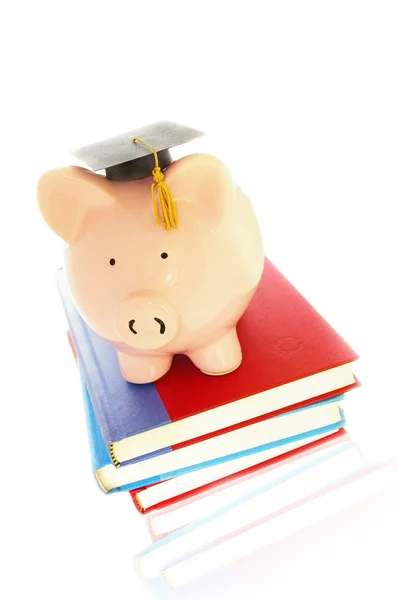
(264, 534)
(272, 479)
(342, 495)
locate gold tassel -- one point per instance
(161, 195)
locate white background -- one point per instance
(301, 100)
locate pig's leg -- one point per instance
(220, 357)
(143, 369)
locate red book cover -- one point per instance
(274, 462)
(283, 339)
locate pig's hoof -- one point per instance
(224, 372)
(221, 357)
(136, 369)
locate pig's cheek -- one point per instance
(170, 278)
(183, 280)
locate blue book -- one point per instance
(284, 365)
(313, 421)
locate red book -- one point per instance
(201, 502)
(283, 338)
(285, 342)
(282, 455)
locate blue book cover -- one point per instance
(119, 405)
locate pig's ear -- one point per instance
(67, 195)
(204, 181)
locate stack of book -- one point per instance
(188, 432)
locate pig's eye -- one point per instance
(112, 262)
(164, 255)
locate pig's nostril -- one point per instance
(131, 326)
(162, 325)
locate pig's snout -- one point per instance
(146, 322)
(161, 323)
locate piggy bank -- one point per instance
(154, 293)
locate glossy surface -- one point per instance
(151, 292)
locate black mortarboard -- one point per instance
(124, 160)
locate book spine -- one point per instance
(89, 365)
(137, 504)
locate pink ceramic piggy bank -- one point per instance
(154, 293)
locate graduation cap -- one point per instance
(142, 153)
(125, 160)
